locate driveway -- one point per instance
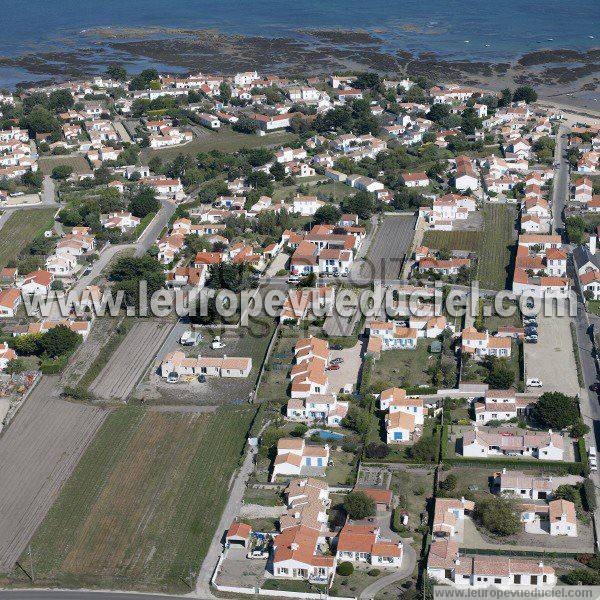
(551, 359)
(409, 561)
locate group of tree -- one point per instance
(554, 410)
(129, 272)
(56, 342)
(498, 515)
(144, 203)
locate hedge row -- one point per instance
(506, 551)
(574, 468)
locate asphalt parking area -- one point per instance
(551, 359)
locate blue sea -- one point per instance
(487, 30)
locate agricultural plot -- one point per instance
(130, 360)
(493, 246)
(78, 162)
(20, 229)
(142, 506)
(39, 451)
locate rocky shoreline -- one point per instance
(570, 76)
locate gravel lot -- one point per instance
(389, 247)
(130, 360)
(551, 359)
(39, 452)
(348, 371)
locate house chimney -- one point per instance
(592, 244)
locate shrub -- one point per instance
(373, 572)
(345, 568)
(359, 506)
(375, 450)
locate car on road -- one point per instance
(534, 382)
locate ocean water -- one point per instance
(489, 30)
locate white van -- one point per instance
(534, 382)
(593, 459)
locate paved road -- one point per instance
(155, 227)
(80, 595)
(560, 191)
(48, 191)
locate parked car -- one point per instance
(217, 343)
(534, 382)
(531, 339)
(595, 387)
(87, 271)
(336, 347)
(293, 279)
(257, 554)
(337, 361)
(173, 377)
(333, 367)
(190, 338)
(593, 458)
(201, 378)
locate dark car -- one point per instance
(595, 387)
(336, 347)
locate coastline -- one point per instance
(564, 76)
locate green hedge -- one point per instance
(574, 468)
(365, 379)
(576, 355)
(589, 493)
(444, 443)
(504, 551)
(583, 457)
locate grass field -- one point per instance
(141, 508)
(493, 245)
(78, 162)
(225, 140)
(20, 229)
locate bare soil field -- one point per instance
(39, 451)
(86, 354)
(130, 360)
(141, 508)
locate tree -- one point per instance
(568, 492)
(345, 569)
(449, 483)
(224, 92)
(144, 203)
(40, 120)
(525, 93)
(497, 515)
(358, 419)
(144, 80)
(376, 450)
(579, 429)
(370, 81)
(278, 171)
(116, 72)
(59, 340)
(424, 449)
(581, 577)
(556, 410)
(60, 100)
(470, 122)
(361, 203)
(129, 271)
(328, 213)
(15, 366)
(32, 179)
(61, 172)
(501, 375)
(359, 506)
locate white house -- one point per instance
(543, 446)
(294, 457)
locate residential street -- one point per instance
(561, 180)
